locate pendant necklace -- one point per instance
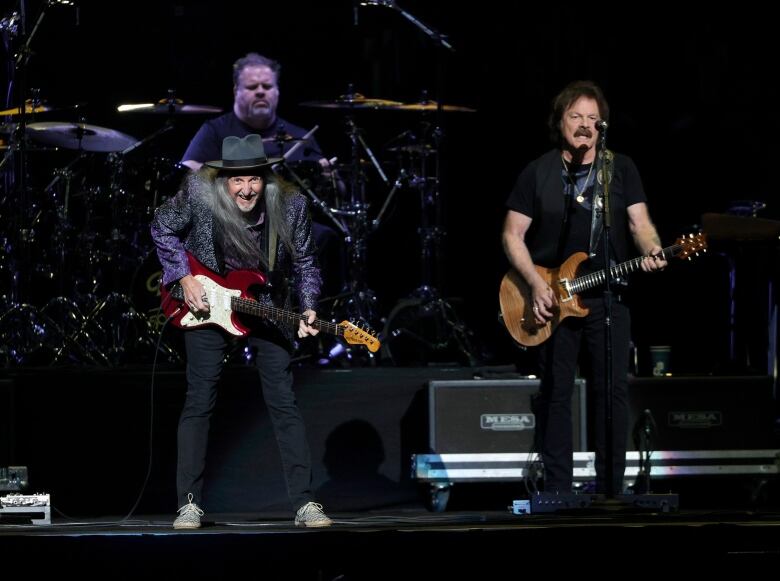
(579, 194)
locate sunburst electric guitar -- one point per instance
(228, 296)
(567, 282)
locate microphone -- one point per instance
(601, 125)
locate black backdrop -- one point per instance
(692, 94)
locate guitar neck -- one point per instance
(291, 318)
(594, 279)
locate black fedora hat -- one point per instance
(243, 153)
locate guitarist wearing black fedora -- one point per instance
(554, 212)
(234, 214)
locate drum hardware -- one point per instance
(28, 335)
(154, 183)
(361, 302)
(426, 310)
(317, 201)
(425, 325)
(351, 208)
(287, 167)
(145, 299)
(282, 138)
(77, 341)
(126, 334)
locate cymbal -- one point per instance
(41, 107)
(739, 228)
(28, 108)
(433, 106)
(80, 136)
(164, 107)
(353, 101)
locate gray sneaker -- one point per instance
(311, 515)
(189, 515)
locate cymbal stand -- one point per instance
(62, 205)
(429, 321)
(359, 301)
(447, 330)
(128, 336)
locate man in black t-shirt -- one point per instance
(554, 211)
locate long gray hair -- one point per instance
(230, 222)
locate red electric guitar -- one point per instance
(228, 296)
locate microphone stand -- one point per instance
(644, 499)
(603, 170)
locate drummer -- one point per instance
(255, 99)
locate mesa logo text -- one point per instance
(507, 422)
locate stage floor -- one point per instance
(407, 544)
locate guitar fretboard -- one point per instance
(593, 279)
(291, 318)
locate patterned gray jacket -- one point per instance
(185, 224)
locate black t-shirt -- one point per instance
(207, 143)
(546, 192)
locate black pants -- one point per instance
(558, 363)
(205, 355)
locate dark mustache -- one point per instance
(583, 131)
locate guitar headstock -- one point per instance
(691, 244)
(355, 335)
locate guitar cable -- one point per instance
(151, 417)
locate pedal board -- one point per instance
(553, 502)
(25, 509)
(546, 502)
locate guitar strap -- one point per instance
(278, 285)
(605, 167)
(271, 239)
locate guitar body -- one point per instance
(229, 296)
(517, 307)
(517, 303)
(219, 291)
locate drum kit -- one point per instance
(427, 320)
(83, 273)
(80, 239)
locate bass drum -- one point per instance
(145, 297)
